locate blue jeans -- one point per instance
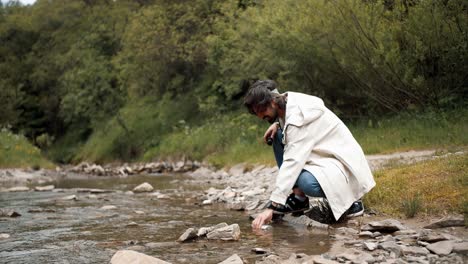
(306, 181)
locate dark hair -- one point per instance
(259, 95)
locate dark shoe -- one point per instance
(297, 206)
(293, 206)
(356, 209)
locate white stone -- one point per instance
(370, 246)
(70, 197)
(205, 230)
(18, 189)
(4, 236)
(207, 202)
(108, 207)
(139, 212)
(231, 232)
(44, 188)
(189, 234)
(144, 187)
(234, 259)
(133, 257)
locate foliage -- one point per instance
(17, 152)
(77, 71)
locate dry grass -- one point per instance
(437, 186)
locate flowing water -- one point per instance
(53, 230)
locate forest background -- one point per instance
(117, 81)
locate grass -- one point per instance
(429, 130)
(17, 152)
(433, 187)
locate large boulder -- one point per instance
(133, 257)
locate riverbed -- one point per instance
(55, 228)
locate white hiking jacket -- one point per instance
(318, 141)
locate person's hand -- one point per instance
(263, 218)
(271, 132)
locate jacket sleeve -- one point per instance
(299, 144)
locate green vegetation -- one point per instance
(17, 152)
(431, 187)
(132, 80)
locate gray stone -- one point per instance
(392, 247)
(188, 235)
(430, 236)
(144, 187)
(447, 222)
(417, 251)
(18, 189)
(441, 247)
(129, 256)
(234, 259)
(405, 232)
(231, 232)
(205, 230)
(388, 225)
(44, 188)
(461, 248)
(421, 260)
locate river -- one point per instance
(53, 230)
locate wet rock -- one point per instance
(70, 197)
(161, 244)
(132, 224)
(144, 187)
(252, 205)
(129, 256)
(40, 210)
(447, 222)
(205, 230)
(346, 231)
(4, 236)
(94, 191)
(108, 207)
(9, 213)
(18, 189)
(259, 251)
(188, 235)
(207, 202)
(388, 225)
(234, 259)
(44, 188)
(237, 206)
(266, 227)
(139, 212)
(461, 248)
(306, 221)
(441, 247)
(129, 193)
(231, 232)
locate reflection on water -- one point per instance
(69, 231)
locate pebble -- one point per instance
(4, 236)
(108, 207)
